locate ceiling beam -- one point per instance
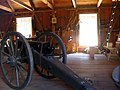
(32, 4)
(53, 3)
(8, 1)
(22, 4)
(47, 3)
(74, 3)
(99, 3)
(5, 8)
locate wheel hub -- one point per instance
(12, 61)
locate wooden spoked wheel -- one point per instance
(55, 49)
(16, 60)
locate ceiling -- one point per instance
(32, 5)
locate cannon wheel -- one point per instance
(59, 52)
(16, 60)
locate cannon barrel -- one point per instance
(66, 74)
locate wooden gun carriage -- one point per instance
(47, 54)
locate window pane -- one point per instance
(24, 26)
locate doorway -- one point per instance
(88, 33)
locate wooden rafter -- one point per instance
(74, 3)
(99, 3)
(53, 3)
(22, 4)
(32, 4)
(5, 8)
(47, 3)
(13, 10)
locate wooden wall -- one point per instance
(66, 26)
(5, 23)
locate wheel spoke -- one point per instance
(17, 76)
(42, 70)
(51, 40)
(12, 75)
(45, 38)
(48, 73)
(11, 44)
(24, 68)
(6, 54)
(20, 49)
(8, 48)
(8, 71)
(21, 73)
(5, 62)
(16, 46)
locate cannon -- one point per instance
(46, 54)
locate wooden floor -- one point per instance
(98, 70)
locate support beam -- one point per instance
(53, 2)
(32, 4)
(99, 3)
(22, 4)
(39, 22)
(47, 3)
(5, 8)
(74, 3)
(8, 1)
(9, 22)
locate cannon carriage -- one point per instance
(46, 53)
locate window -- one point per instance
(24, 26)
(88, 30)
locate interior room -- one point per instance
(60, 44)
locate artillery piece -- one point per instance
(47, 54)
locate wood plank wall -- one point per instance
(65, 23)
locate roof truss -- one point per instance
(47, 3)
(22, 4)
(99, 3)
(5, 8)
